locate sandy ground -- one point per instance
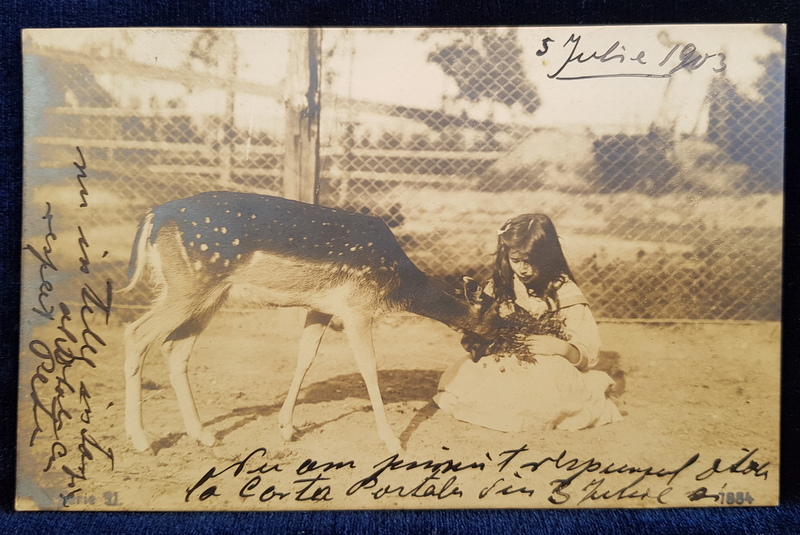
(707, 389)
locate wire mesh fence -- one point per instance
(658, 222)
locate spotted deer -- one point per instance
(219, 246)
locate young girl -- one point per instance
(555, 387)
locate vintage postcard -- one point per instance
(418, 268)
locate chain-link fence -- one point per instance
(658, 221)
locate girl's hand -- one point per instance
(550, 345)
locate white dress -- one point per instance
(508, 395)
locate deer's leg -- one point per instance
(136, 347)
(163, 324)
(315, 325)
(177, 354)
(359, 332)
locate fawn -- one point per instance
(215, 246)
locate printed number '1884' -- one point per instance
(735, 498)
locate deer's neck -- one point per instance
(428, 297)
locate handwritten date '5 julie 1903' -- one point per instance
(637, 64)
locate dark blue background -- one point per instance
(18, 14)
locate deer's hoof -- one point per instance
(393, 445)
(206, 438)
(287, 432)
(140, 441)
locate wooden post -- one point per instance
(303, 94)
(301, 161)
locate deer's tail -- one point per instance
(140, 255)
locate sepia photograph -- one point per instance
(401, 268)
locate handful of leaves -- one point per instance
(519, 325)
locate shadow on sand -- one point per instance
(397, 386)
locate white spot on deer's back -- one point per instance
(226, 263)
(215, 257)
(182, 210)
(224, 230)
(235, 242)
(203, 247)
(252, 216)
(198, 265)
(208, 220)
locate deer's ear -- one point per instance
(473, 291)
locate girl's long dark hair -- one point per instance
(534, 236)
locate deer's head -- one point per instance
(485, 313)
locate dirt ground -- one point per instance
(707, 389)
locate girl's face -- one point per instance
(522, 268)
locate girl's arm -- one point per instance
(583, 335)
(583, 343)
(545, 344)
